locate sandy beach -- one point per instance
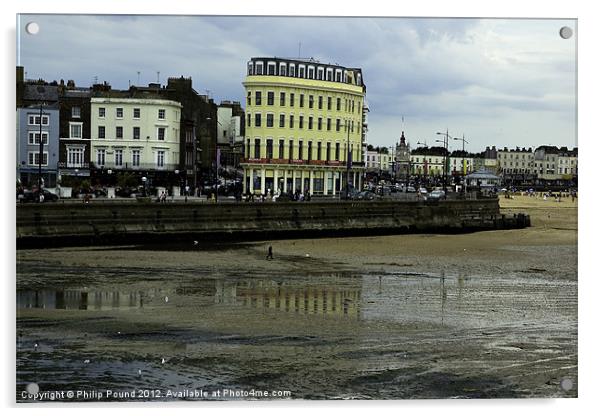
(487, 314)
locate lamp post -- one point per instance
(348, 158)
(40, 157)
(425, 145)
(144, 186)
(464, 141)
(216, 160)
(445, 142)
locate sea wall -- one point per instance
(57, 224)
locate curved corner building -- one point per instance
(302, 117)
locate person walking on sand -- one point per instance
(270, 255)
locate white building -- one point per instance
(135, 134)
(516, 161)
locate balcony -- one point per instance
(140, 166)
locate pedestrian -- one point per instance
(270, 255)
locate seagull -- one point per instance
(195, 242)
(86, 361)
(35, 346)
(163, 360)
(166, 299)
(139, 373)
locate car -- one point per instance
(32, 196)
(411, 189)
(436, 195)
(423, 191)
(364, 196)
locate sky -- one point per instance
(497, 82)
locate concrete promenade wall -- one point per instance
(49, 225)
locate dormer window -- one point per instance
(282, 70)
(259, 68)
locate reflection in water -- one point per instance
(325, 300)
(83, 300)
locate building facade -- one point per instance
(428, 161)
(74, 133)
(304, 126)
(516, 161)
(135, 134)
(28, 144)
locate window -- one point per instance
(319, 123)
(257, 119)
(271, 68)
(136, 133)
(136, 158)
(319, 151)
(248, 120)
(160, 158)
(119, 112)
(338, 75)
(248, 97)
(309, 151)
(311, 72)
(75, 157)
(257, 148)
(34, 158)
(292, 100)
(136, 113)
(338, 104)
(301, 100)
(310, 123)
(282, 70)
(270, 98)
(259, 68)
(119, 132)
(328, 124)
(329, 104)
(75, 130)
(76, 112)
(100, 157)
(161, 114)
(291, 145)
(338, 124)
(101, 112)
(282, 99)
(101, 132)
(281, 149)
(320, 102)
(250, 69)
(270, 120)
(291, 121)
(257, 97)
(248, 149)
(300, 122)
(337, 151)
(311, 101)
(161, 133)
(300, 154)
(281, 124)
(35, 120)
(34, 137)
(291, 70)
(320, 73)
(329, 74)
(301, 71)
(328, 151)
(118, 157)
(269, 151)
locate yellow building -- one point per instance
(301, 117)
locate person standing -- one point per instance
(270, 255)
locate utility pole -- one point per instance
(348, 161)
(40, 157)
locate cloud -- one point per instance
(489, 73)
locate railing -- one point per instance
(274, 161)
(140, 166)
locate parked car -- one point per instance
(436, 195)
(365, 196)
(411, 189)
(32, 196)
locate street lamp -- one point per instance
(144, 185)
(216, 159)
(464, 141)
(445, 142)
(425, 144)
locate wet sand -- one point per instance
(487, 314)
